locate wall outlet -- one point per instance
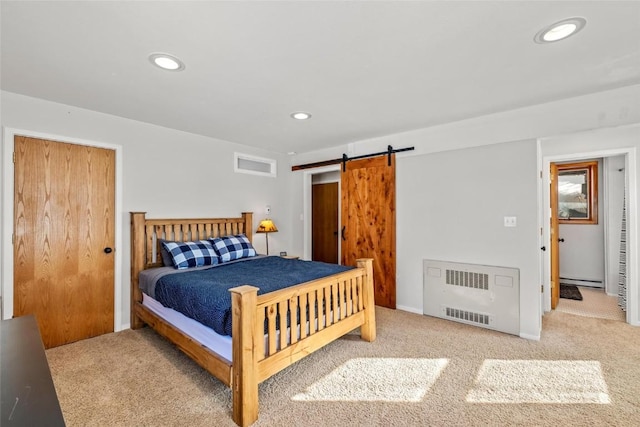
(510, 221)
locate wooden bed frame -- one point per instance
(349, 304)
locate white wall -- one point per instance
(582, 252)
(452, 208)
(165, 172)
(415, 183)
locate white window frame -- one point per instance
(273, 165)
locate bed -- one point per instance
(325, 309)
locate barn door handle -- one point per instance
(343, 228)
(108, 250)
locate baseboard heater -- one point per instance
(480, 295)
(582, 282)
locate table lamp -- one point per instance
(267, 226)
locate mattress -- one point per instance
(219, 344)
(207, 337)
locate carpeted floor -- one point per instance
(421, 371)
(595, 303)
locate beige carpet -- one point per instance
(595, 303)
(421, 371)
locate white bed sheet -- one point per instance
(220, 344)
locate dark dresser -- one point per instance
(27, 393)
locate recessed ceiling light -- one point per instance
(166, 61)
(560, 30)
(301, 115)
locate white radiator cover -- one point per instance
(479, 295)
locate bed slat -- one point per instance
(338, 302)
(304, 304)
(271, 313)
(282, 323)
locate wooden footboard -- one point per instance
(326, 309)
(269, 331)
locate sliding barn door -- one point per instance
(369, 221)
(63, 238)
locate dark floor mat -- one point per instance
(570, 292)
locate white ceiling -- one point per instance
(362, 68)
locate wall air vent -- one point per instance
(244, 163)
(468, 279)
(468, 316)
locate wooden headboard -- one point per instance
(147, 233)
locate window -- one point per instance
(578, 193)
(245, 163)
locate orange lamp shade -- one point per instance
(266, 226)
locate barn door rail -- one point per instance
(344, 159)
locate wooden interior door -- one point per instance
(63, 238)
(369, 221)
(554, 233)
(324, 233)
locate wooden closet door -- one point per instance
(324, 227)
(63, 224)
(369, 221)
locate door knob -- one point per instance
(561, 240)
(544, 248)
(108, 250)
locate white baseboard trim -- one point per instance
(530, 337)
(409, 309)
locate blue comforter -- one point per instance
(204, 295)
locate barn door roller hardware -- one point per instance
(345, 159)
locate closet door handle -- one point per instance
(343, 228)
(108, 250)
(561, 240)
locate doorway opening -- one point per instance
(593, 264)
(589, 209)
(319, 175)
(325, 217)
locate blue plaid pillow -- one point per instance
(233, 247)
(191, 254)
